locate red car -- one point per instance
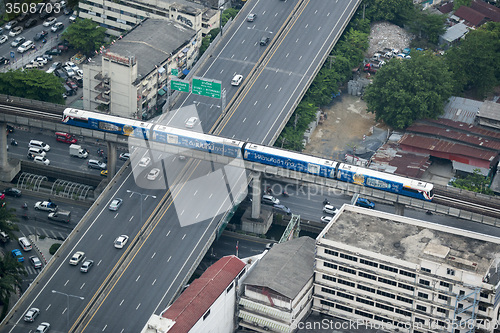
(72, 85)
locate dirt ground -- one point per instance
(346, 123)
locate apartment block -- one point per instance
(406, 275)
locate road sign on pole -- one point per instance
(206, 87)
(179, 85)
(174, 71)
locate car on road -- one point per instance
(326, 219)
(3, 39)
(282, 209)
(27, 45)
(41, 35)
(56, 27)
(41, 60)
(191, 122)
(115, 204)
(13, 192)
(87, 264)
(251, 17)
(18, 41)
(15, 31)
(269, 200)
(48, 206)
(124, 156)
(330, 209)
(43, 328)
(41, 160)
(30, 23)
(363, 202)
(153, 174)
(144, 162)
(48, 22)
(95, 164)
(76, 258)
(31, 315)
(53, 51)
(35, 261)
(120, 241)
(264, 40)
(237, 80)
(16, 253)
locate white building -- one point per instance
(127, 78)
(277, 293)
(395, 271)
(119, 16)
(207, 305)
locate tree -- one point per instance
(398, 12)
(6, 218)
(474, 182)
(474, 61)
(459, 3)
(32, 84)
(410, 89)
(228, 14)
(85, 35)
(430, 26)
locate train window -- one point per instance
(313, 168)
(410, 189)
(80, 120)
(109, 127)
(378, 183)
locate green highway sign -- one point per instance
(179, 85)
(206, 87)
(174, 71)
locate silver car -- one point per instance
(115, 204)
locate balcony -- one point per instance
(101, 98)
(103, 87)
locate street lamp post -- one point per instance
(67, 297)
(142, 195)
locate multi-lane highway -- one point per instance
(168, 236)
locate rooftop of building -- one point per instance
(461, 109)
(455, 32)
(446, 8)
(471, 16)
(188, 6)
(412, 240)
(488, 10)
(202, 293)
(389, 158)
(152, 42)
(286, 268)
(489, 110)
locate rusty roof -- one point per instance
(389, 158)
(467, 128)
(470, 15)
(488, 10)
(446, 8)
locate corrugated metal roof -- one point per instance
(201, 294)
(389, 158)
(432, 144)
(467, 128)
(446, 8)
(490, 110)
(470, 15)
(461, 109)
(455, 135)
(455, 32)
(488, 10)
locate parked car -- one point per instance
(54, 51)
(53, 67)
(48, 22)
(30, 23)
(72, 85)
(3, 39)
(69, 71)
(11, 24)
(18, 41)
(27, 45)
(16, 253)
(41, 35)
(4, 61)
(15, 31)
(72, 65)
(57, 27)
(35, 261)
(61, 73)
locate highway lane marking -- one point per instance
(195, 193)
(182, 212)
(255, 103)
(210, 195)
(266, 86)
(104, 328)
(300, 58)
(48, 307)
(185, 234)
(269, 106)
(307, 25)
(244, 120)
(153, 282)
(328, 14)
(64, 311)
(83, 285)
(123, 300)
(316, 11)
(287, 55)
(169, 258)
(137, 278)
(153, 255)
(310, 42)
(296, 41)
(168, 233)
(66, 283)
(319, 28)
(116, 215)
(280, 89)
(258, 123)
(99, 262)
(131, 218)
(138, 305)
(99, 237)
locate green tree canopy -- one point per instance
(398, 12)
(410, 89)
(475, 182)
(32, 84)
(429, 26)
(474, 61)
(85, 35)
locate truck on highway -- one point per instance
(78, 151)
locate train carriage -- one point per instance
(290, 160)
(107, 123)
(384, 181)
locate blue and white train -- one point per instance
(250, 152)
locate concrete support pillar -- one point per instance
(399, 209)
(8, 169)
(111, 159)
(256, 194)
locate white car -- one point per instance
(120, 241)
(56, 27)
(326, 219)
(79, 72)
(329, 209)
(3, 39)
(69, 71)
(48, 22)
(42, 328)
(86, 266)
(191, 122)
(76, 258)
(237, 80)
(153, 174)
(41, 160)
(41, 60)
(46, 205)
(15, 31)
(31, 315)
(26, 46)
(144, 162)
(74, 67)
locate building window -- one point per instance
(206, 314)
(392, 283)
(412, 275)
(424, 282)
(365, 301)
(328, 290)
(484, 295)
(323, 302)
(403, 312)
(385, 320)
(341, 294)
(450, 271)
(348, 257)
(423, 269)
(388, 268)
(423, 295)
(405, 286)
(360, 286)
(444, 284)
(385, 307)
(421, 308)
(230, 287)
(344, 308)
(482, 308)
(419, 320)
(441, 310)
(330, 252)
(329, 278)
(347, 270)
(404, 299)
(364, 314)
(462, 292)
(327, 264)
(347, 283)
(443, 297)
(368, 276)
(369, 263)
(383, 293)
